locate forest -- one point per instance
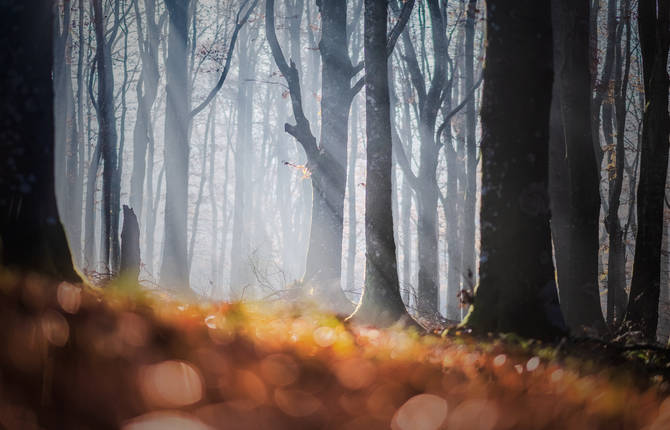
(334, 214)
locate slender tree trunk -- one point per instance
(616, 265)
(32, 236)
(602, 85)
(174, 266)
(381, 303)
(147, 90)
(351, 189)
(214, 247)
(107, 134)
(469, 266)
(654, 29)
(517, 289)
(201, 188)
(241, 275)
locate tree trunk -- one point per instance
(616, 266)
(147, 90)
(241, 275)
(381, 303)
(130, 247)
(329, 176)
(32, 237)
(469, 266)
(517, 289)
(578, 272)
(174, 267)
(653, 25)
(107, 135)
(351, 190)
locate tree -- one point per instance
(147, 90)
(326, 161)
(32, 237)
(178, 116)
(107, 135)
(468, 261)
(424, 182)
(576, 226)
(616, 260)
(654, 30)
(174, 267)
(380, 303)
(517, 289)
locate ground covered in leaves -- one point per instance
(81, 358)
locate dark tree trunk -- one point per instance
(381, 303)
(130, 247)
(517, 289)
(469, 266)
(653, 25)
(174, 266)
(32, 237)
(107, 137)
(578, 224)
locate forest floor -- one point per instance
(76, 357)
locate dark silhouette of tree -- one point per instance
(517, 289)
(654, 31)
(575, 225)
(380, 303)
(32, 237)
(107, 135)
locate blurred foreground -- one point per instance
(77, 358)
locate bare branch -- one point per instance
(301, 131)
(454, 111)
(396, 31)
(229, 55)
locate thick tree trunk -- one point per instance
(653, 24)
(329, 176)
(578, 273)
(381, 303)
(32, 237)
(174, 267)
(517, 289)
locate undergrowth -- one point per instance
(82, 357)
